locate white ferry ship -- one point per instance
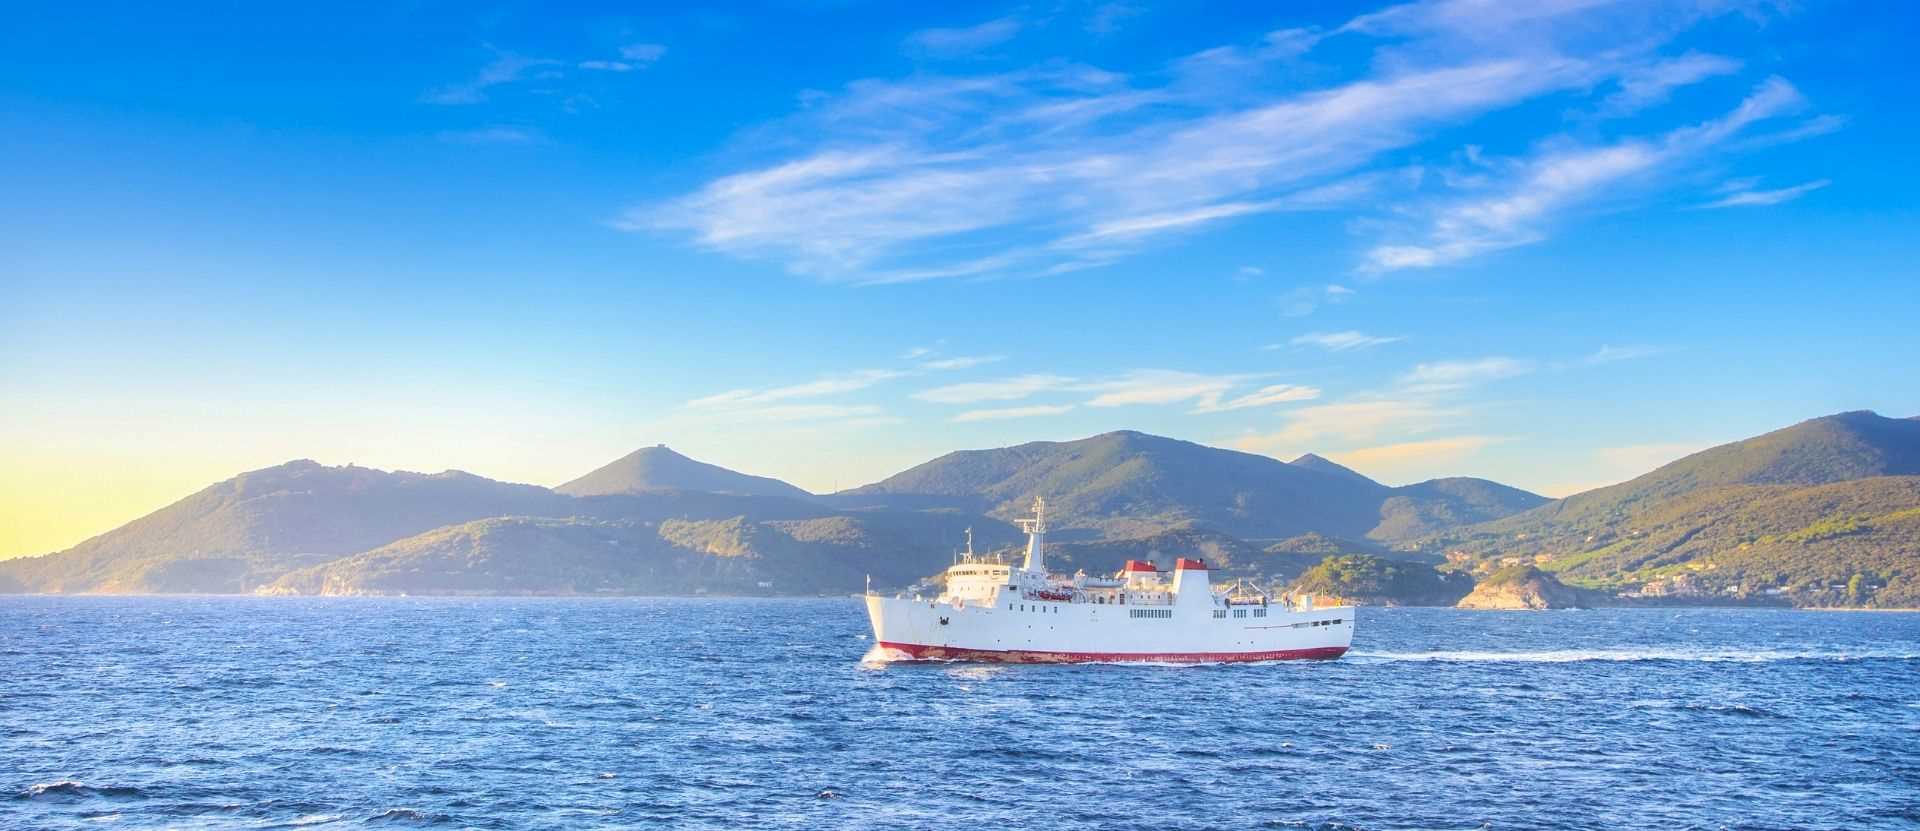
(993, 610)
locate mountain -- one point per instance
(1424, 508)
(1128, 484)
(1797, 513)
(1835, 448)
(547, 556)
(237, 534)
(657, 468)
(1312, 461)
(305, 528)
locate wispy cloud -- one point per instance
(805, 412)
(1651, 83)
(1263, 397)
(961, 362)
(632, 56)
(1162, 386)
(1361, 420)
(1226, 67)
(1013, 412)
(1424, 455)
(964, 40)
(505, 68)
(1757, 198)
(1145, 387)
(828, 385)
(1607, 354)
(1065, 166)
(1814, 127)
(1443, 376)
(1005, 389)
(497, 134)
(1305, 300)
(1557, 180)
(1207, 393)
(1135, 228)
(1060, 167)
(1343, 341)
(1447, 26)
(643, 53)
(1107, 18)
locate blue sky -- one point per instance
(1552, 243)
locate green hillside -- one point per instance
(736, 555)
(1435, 505)
(1376, 581)
(1127, 484)
(1796, 514)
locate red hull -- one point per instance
(920, 652)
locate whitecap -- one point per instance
(1564, 656)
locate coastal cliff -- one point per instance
(1525, 587)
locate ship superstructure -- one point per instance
(994, 609)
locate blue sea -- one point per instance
(639, 713)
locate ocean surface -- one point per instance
(635, 713)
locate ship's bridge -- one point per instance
(977, 578)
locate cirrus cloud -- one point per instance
(1343, 341)
(1013, 412)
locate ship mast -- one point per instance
(1036, 529)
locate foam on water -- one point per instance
(1563, 656)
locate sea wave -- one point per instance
(409, 816)
(1567, 656)
(76, 790)
(712, 728)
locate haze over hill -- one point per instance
(1800, 512)
(657, 468)
(239, 533)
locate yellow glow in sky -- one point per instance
(49, 505)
